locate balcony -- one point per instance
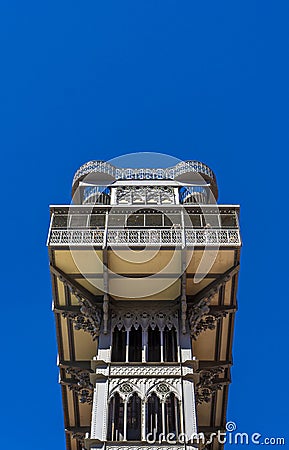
(190, 227)
(101, 170)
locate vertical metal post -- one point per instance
(144, 345)
(127, 346)
(125, 419)
(162, 345)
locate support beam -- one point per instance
(213, 287)
(74, 286)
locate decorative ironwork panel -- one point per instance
(144, 371)
(169, 173)
(213, 237)
(144, 237)
(76, 237)
(156, 195)
(144, 315)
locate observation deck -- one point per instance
(103, 172)
(102, 227)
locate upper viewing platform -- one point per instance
(168, 206)
(189, 181)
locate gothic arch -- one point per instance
(162, 389)
(125, 390)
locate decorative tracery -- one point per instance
(131, 414)
(154, 195)
(144, 315)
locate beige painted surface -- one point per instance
(228, 292)
(84, 414)
(64, 333)
(144, 261)
(204, 414)
(61, 294)
(204, 347)
(79, 261)
(225, 328)
(219, 405)
(210, 261)
(145, 289)
(95, 286)
(70, 407)
(193, 287)
(85, 347)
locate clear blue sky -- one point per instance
(85, 80)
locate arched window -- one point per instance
(163, 418)
(133, 428)
(118, 345)
(154, 345)
(135, 345)
(116, 419)
(154, 417)
(170, 345)
(172, 415)
(124, 420)
(159, 345)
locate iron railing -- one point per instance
(145, 237)
(143, 173)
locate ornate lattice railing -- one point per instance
(215, 237)
(146, 237)
(169, 173)
(76, 237)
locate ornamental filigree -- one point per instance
(83, 387)
(142, 371)
(88, 318)
(162, 388)
(126, 388)
(80, 437)
(201, 317)
(208, 384)
(144, 315)
(157, 195)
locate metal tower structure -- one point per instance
(144, 266)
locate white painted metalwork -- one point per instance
(169, 173)
(76, 237)
(146, 237)
(142, 371)
(214, 237)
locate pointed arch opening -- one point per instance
(133, 426)
(124, 418)
(154, 344)
(163, 417)
(118, 353)
(135, 345)
(170, 345)
(116, 419)
(154, 417)
(172, 416)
